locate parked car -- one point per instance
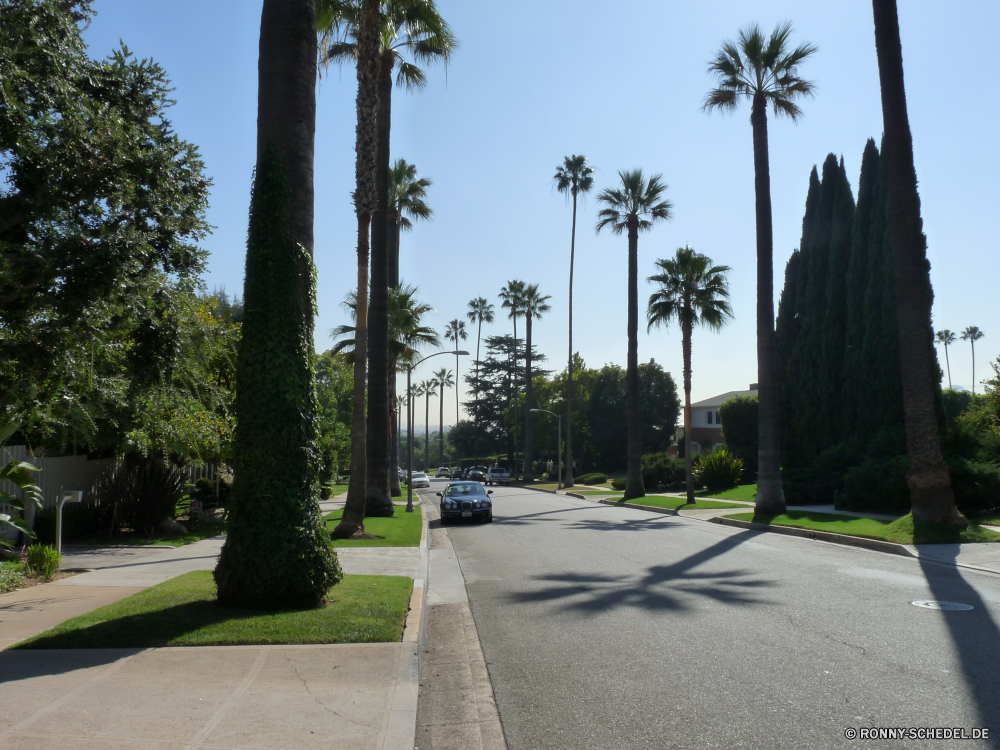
(401, 473)
(476, 474)
(497, 475)
(466, 500)
(421, 480)
(443, 471)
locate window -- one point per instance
(710, 417)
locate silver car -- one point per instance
(421, 480)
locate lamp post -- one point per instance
(409, 427)
(558, 445)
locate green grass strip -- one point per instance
(746, 492)
(900, 531)
(661, 501)
(401, 530)
(184, 612)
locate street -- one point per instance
(606, 627)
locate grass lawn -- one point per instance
(196, 532)
(605, 493)
(900, 531)
(183, 612)
(747, 492)
(991, 518)
(402, 530)
(661, 501)
(337, 489)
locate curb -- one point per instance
(552, 492)
(650, 508)
(416, 617)
(822, 536)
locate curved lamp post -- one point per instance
(558, 445)
(409, 427)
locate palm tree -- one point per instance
(947, 338)
(407, 192)
(480, 311)
(455, 331)
(443, 378)
(634, 207)
(573, 177)
(533, 306)
(429, 388)
(693, 292)
(511, 296)
(972, 334)
(931, 495)
(763, 71)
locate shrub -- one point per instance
(591, 479)
(11, 577)
(878, 485)
(662, 472)
(204, 488)
(618, 484)
(719, 471)
(976, 486)
(739, 427)
(43, 561)
(137, 497)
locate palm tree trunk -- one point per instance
(529, 471)
(514, 383)
(441, 430)
(378, 497)
(458, 416)
(393, 234)
(770, 494)
(948, 364)
(353, 519)
(688, 458)
(568, 479)
(931, 496)
(394, 437)
(633, 482)
(427, 432)
(479, 338)
(973, 367)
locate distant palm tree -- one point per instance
(947, 338)
(407, 192)
(692, 292)
(455, 332)
(972, 334)
(429, 388)
(533, 305)
(632, 208)
(762, 70)
(511, 298)
(480, 311)
(573, 176)
(443, 378)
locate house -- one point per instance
(706, 426)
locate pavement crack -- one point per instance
(315, 697)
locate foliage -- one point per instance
(739, 428)
(277, 551)
(17, 473)
(877, 485)
(11, 578)
(718, 471)
(43, 561)
(592, 479)
(662, 472)
(136, 495)
(618, 483)
(334, 407)
(976, 486)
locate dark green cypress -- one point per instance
(277, 552)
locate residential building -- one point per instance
(706, 425)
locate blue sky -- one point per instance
(533, 82)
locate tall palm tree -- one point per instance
(931, 495)
(411, 28)
(633, 208)
(407, 192)
(429, 388)
(762, 70)
(693, 292)
(972, 334)
(276, 553)
(480, 311)
(444, 379)
(947, 338)
(455, 332)
(572, 177)
(510, 296)
(533, 306)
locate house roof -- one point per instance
(719, 400)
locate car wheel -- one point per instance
(489, 517)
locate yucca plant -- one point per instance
(719, 471)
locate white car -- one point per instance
(443, 471)
(420, 480)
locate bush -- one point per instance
(878, 485)
(591, 479)
(719, 471)
(137, 497)
(739, 427)
(11, 577)
(976, 486)
(43, 561)
(662, 472)
(204, 488)
(618, 484)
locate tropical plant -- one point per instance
(573, 176)
(719, 470)
(533, 306)
(43, 561)
(972, 334)
(632, 208)
(455, 332)
(443, 378)
(480, 311)
(693, 292)
(946, 338)
(277, 553)
(17, 473)
(510, 297)
(407, 192)
(763, 70)
(931, 495)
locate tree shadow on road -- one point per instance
(662, 587)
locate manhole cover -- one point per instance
(953, 606)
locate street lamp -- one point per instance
(558, 445)
(409, 428)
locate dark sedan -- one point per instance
(466, 500)
(476, 474)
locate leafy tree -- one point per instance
(739, 427)
(334, 390)
(947, 338)
(972, 334)
(632, 208)
(277, 553)
(763, 70)
(573, 176)
(533, 305)
(443, 378)
(480, 311)
(931, 494)
(455, 332)
(511, 297)
(693, 292)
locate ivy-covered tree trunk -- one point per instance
(931, 495)
(529, 471)
(277, 553)
(633, 481)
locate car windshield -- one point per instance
(419, 476)
(465, 489)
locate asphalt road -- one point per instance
(605, 627)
